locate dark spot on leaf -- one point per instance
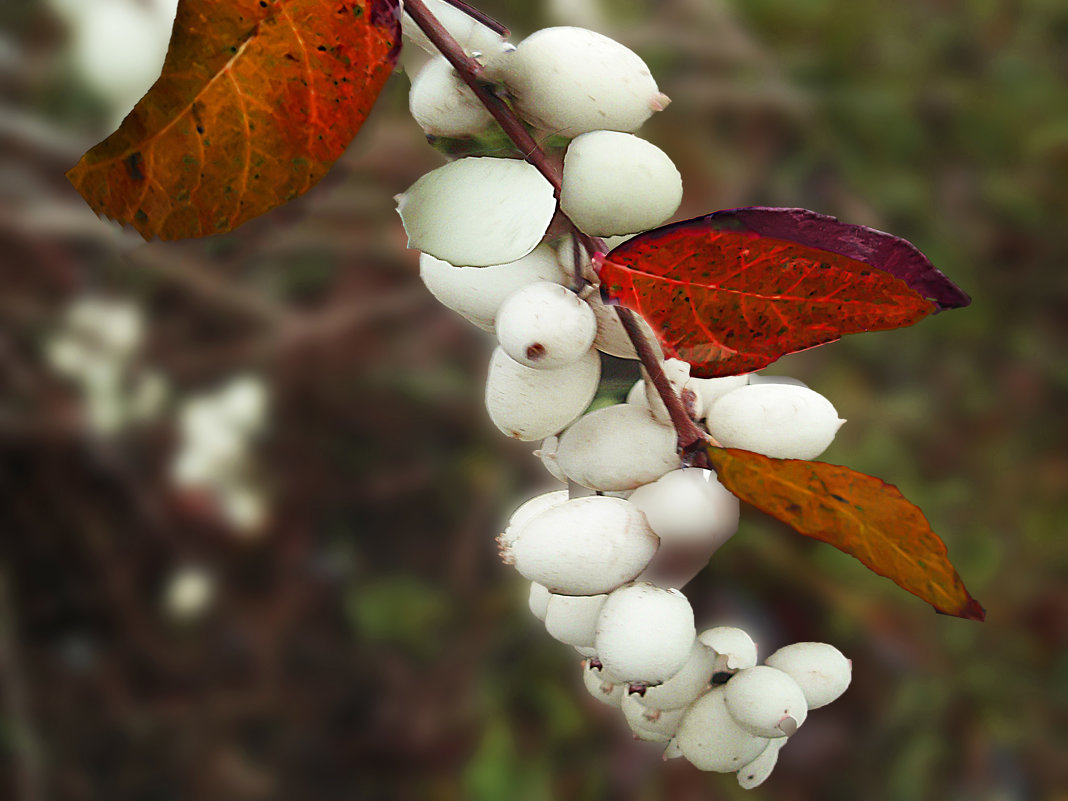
(133, 164)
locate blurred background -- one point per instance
(248, 492)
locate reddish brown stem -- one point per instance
(691, 437)
(480, 16)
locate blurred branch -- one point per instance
(28, 773)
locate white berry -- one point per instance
(478, 211)
(617, 183)
(601, 685)
(572, 619)
(757, 771)
(443, 104)
(765, 701)
(711, 740)
(528, 404)
(683, 688)
(618, 447)
(645, 633)
(545, 325)
(538, 600)
(585, 546)
(820, 670)
(571, 80)
(476, 293)
(778, 420)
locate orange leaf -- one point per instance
(255, 102)
(858, 514)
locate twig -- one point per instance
(480, 16)
(690, 437)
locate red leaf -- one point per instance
(255, 102)
(876, 248)
(731, 301)
(858, 514)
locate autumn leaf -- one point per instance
(875, 248)
(729, 300)
(255, 102)
(858, 514)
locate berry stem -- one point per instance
(691, 439)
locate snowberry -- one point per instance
(529, 404)
(651, 725)
(710, 738)
(618, 447)
(476, 293)
(735, 650)
(765, 701)
(585, 546)
(545, 325)
(478, 211)
(571, 80)
(538, 600)
(820, 670)
(601, 685)
(617, 183)
(683, 688)
(645, 633)
(443, 104)
(754, 774)
(688, 505)
(693, 514)
(779, 420)
(572, 619)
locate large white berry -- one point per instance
(693, 514)
(689, 505)
(710, 738)
(820, 670)
(478, 211)
(572, 619)
(476, 293)
(778, 420)
(618, 447)
(529, 404)
(645, 633)
(651, 725)
(585, 546)
(545, 325)
(443, 104)
(617, 183)
(765, 701)
(571, 80)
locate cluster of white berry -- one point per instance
(607, 557)
(218, 430)
(98, 346)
